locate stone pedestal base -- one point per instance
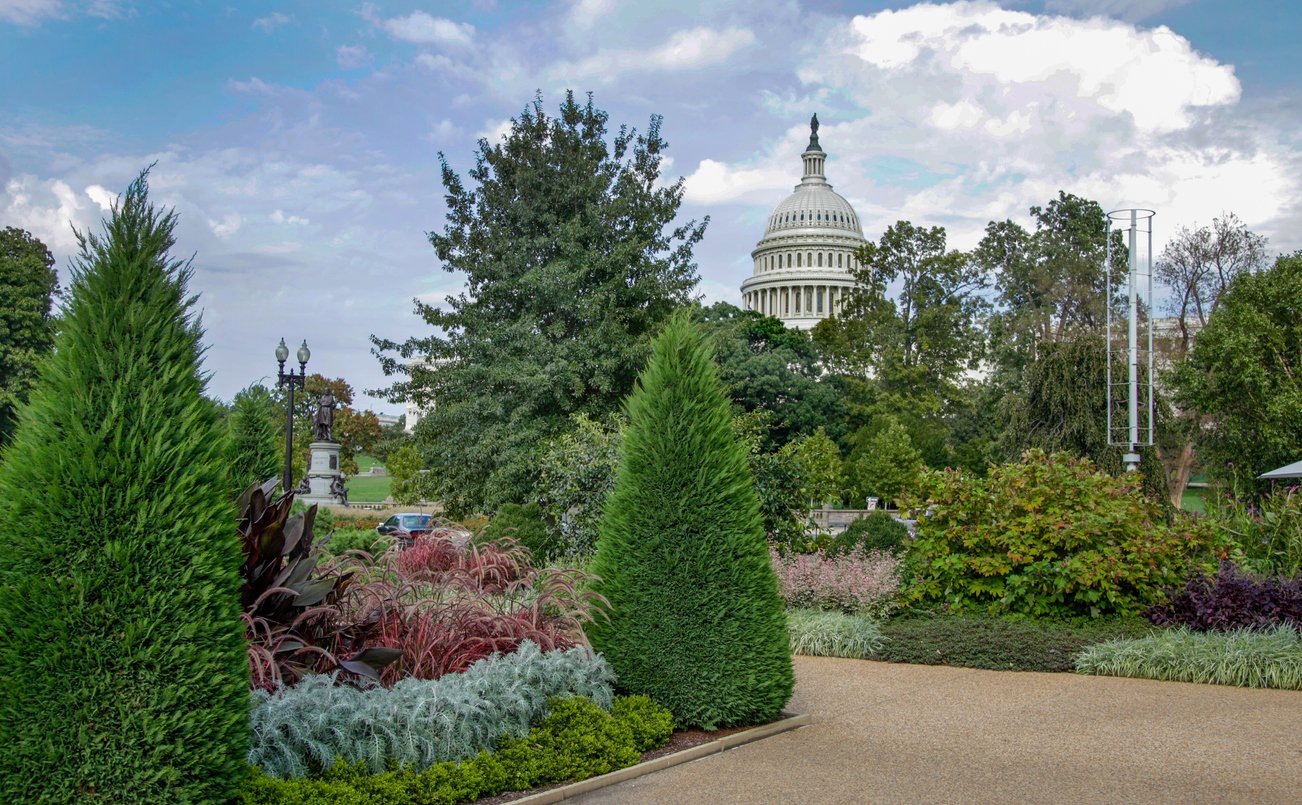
(325, 481)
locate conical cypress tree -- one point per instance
(696, 622)
(123, 676)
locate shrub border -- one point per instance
(786, 722)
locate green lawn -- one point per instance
(368, 488)
(365, 462)
(1192, 501)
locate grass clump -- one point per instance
(696, 622)
(122, 658)
(1245, 658)
(816, 633)
(979, 641)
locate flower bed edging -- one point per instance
(788, 721)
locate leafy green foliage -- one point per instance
(1267, 531)
(979, 641)
(1246, 658)
(817, 462)
(578, 472)
(28, 286)
(768, 367)
(1244, 374)
(122, 672)
(572, 259)
(884, 465)
(696, 620)
(417, 723)
(784, 509)
(256, 445)
(526, 526)
(408, 485)
(1046, 536)
(879, 531)
(343, 540)
(819, 633)
(1062, 407)
(576, 740)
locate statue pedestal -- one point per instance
(324, 479)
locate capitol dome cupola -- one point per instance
(804, 261)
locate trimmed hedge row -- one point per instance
(576, 740)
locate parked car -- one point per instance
(406, 528)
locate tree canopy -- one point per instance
(28, 286)
(1244, 373)
(572, 260)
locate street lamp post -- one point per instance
(289, 381)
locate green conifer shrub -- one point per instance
(122, 662)
(696, 620)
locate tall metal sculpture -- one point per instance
(1130, 335)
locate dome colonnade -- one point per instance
(804, 262)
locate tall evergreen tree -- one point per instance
(123, 675)
(572, 261)
(28, 285)
(255, 443)
(696, 619)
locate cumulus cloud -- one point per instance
(1131, 10)
(689, 49)
(48, 208)
(994, 110)
(101, 196)
(423, 29)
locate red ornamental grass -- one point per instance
(491, 567)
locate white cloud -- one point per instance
(963, 113)
(48, 208)
(228, 225)
(423, 29)
(495, 132)
(350, 57)
(689, 49)
(280, 217)
(584, 14)
(714, 182)
(272, 21)
(101, 196)
(254, 86)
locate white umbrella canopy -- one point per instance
(1293, 470)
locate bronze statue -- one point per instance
(338, 490)
(325, 417)
(304, 487)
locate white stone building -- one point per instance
(803, 263)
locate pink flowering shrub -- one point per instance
(864, 582)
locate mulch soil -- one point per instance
(683, 739)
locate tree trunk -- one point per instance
(1181, 468)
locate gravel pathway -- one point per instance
(912, 733)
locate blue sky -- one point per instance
(298, 141)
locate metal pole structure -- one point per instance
(1139, 303)
(289, 381)
(1132, 456)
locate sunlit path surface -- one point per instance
(910, 733)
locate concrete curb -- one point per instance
(788, 721)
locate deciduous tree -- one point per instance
(28, 286)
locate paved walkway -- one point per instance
(913, 733)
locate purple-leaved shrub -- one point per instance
(864, 582)
(1232, 599)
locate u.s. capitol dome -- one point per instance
(804, 262)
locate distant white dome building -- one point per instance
(803, 263)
